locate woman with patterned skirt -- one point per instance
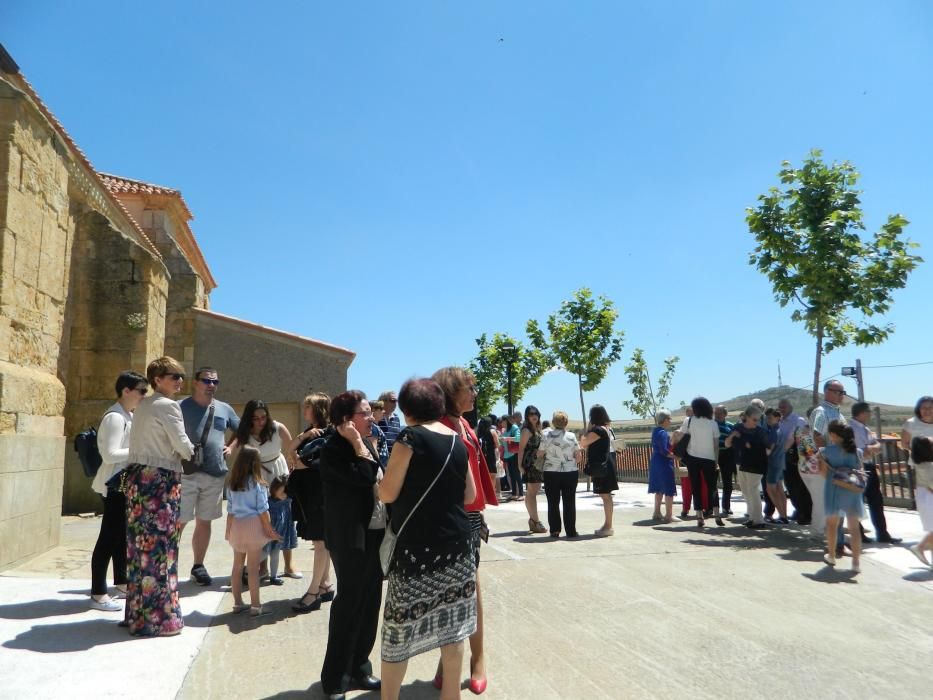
(158, 443)
(431, 597)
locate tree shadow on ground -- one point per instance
(50, 607)
(511, 533)
(71, 636)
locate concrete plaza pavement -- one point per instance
(655, 611)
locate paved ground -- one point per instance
(656, 611)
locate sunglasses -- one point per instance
(213, 382)
(174, 375)
(368, 414)
(142, 390)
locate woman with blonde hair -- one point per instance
(158, 443)
(561, 449)
(459, 388)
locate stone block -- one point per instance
(46, 453)
(7, 423)
(51, 276)
(24, 214)
(27, 492)
(28, 390)
(48, 426)
(6, 496)
(5, 336)
(11, 541)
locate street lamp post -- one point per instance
(510, 349)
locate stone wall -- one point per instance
(36, 235)
(116, 321)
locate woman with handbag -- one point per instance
(158, 443)
(839, 462)
(489, 441)
(354, 525)
(528, 446)
(304, 486)
(921, 426)
(459, 388)
(600, 463)
(431, 592)
(561, 449)
(702, 452)
(511, 437)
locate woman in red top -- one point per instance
(459, 395)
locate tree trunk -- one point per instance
(819, 363)
(651, 393)
(582, 407)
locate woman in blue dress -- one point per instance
(841, 453)
(661, 467)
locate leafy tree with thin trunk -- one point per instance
(810, 247)
(490, 368)
(645, 400)
(582, 339)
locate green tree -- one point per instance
(491, 365)
(811, 250)
(582, 339)
(645, 401)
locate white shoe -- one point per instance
(917, 552)
(107, 605)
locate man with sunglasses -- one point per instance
(202, 492)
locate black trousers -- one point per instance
(796, 489)
(354, 614)
(699, 469)
(111, 544)
(727, 472)
(561, 486)
(769, 504)
(875, 500)
(515, 476)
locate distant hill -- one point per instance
(800, 398)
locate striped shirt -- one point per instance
(725, 429)
(391, 426)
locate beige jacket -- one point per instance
(158, 436)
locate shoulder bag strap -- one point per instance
(207, 426)
(428, 490)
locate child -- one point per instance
(280, 513)
(248, 525)
(841, 453)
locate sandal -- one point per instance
(326, 592)
(256, 611)
(240, 607)
(302, 607)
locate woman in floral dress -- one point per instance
(158, 443)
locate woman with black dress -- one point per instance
(354, 525)
(304, 486)
(431, 593)
(598, 444)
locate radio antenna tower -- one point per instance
(780, 383)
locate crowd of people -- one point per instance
(403, 503)
(821, 465)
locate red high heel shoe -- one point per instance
(478, 685)
(438, 681)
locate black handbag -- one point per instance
(190, 466)
(680, 449)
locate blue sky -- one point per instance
(398, 178)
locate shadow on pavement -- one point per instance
(919, 576)
(50, 607)
(830, 575)
(414, 689)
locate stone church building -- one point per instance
(102, 273)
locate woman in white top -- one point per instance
(561, 450)
(113, 443)
(158, 443)
(702, 453)
(257, 429)
(921, 425)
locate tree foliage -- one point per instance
(582, 339)
(490, 368)
(645, 400)
(810, 248)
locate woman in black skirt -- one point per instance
(598, 445)
(431, 595)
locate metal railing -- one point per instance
(895, 474)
